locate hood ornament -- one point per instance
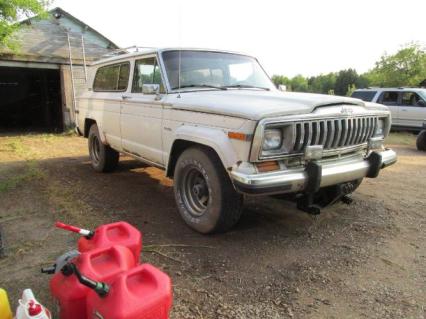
(346, 110)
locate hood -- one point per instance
(255, 105)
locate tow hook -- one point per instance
(313, 202)
(306, 204)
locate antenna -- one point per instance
(180, 44)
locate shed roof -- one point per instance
(45, 40)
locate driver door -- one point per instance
(142, 114)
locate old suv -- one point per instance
(407, 105)
(216, 124)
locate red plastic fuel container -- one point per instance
(102, 264)
(119, 233)
(142, 292)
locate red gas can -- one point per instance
(143, 292)
(101, 264)
(120, 233)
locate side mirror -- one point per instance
(421, 103)
(150, 88)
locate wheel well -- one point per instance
(87, 124)
(179, 146)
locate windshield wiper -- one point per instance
(200, 86)
(244, 86)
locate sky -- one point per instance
(305, 37)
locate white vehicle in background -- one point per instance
(407, 105)
(216, 124)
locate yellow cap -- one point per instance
(5, 312)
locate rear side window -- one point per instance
(112, 78)
(411, 99)
(389, 98)
(366, 96)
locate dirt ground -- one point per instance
(366, 260)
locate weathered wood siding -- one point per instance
(46, 40)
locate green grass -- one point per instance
(401, 138)
(31, 172)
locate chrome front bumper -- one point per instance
(323, 174)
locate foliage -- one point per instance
(345, 79)
(11, 11)
(323, 83)
(407, 67)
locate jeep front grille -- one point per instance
(333, 133)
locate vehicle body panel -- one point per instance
(147, 126)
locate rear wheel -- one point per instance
(204, 194)
(421, 141)
(103, 157)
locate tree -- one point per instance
(322, 83)
(346, 80)
(13, 10)
(280, 79)
(407, 67)
(299, 84)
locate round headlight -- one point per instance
(272, 139)
(380, 128)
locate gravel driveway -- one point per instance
(365, 260)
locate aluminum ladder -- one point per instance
(75, 75)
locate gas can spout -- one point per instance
(101, 288)
(84, 232)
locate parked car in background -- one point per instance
(407, 105)
(214, 121)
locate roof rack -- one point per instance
(131, 49)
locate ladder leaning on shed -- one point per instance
(76, 77)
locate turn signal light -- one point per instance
(267, 166)
(238, 136)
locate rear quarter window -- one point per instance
(366, 96)
(112, 78)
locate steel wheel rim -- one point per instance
(195, 192)
(96, 149)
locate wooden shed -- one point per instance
(36, 86)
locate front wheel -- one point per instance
(103, 157)
(204, 194)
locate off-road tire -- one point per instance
(103, 157)
(421, 141)
(223, 207)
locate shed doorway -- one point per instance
(30, 99)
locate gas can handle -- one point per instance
(84, 232)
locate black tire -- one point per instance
(103, 157)
(421, 141)
(205, 196)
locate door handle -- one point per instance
(125, 97)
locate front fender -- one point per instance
(216, 139)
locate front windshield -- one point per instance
(423, 94)
(214, 69)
